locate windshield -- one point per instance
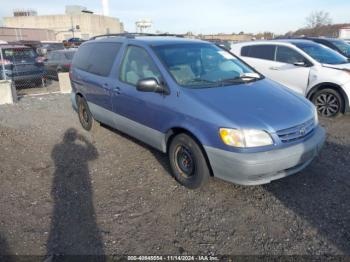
(19, 53)
(204, 65)
(322, 54)
(342, 46)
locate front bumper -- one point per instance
(264, 167)
(346, 89)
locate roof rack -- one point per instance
(132, 35)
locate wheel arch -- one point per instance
(171, 133)
(326, 85)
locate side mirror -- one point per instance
(301, 64)
(149, 85)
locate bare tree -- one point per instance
(317, 19)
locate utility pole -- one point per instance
(71, 25)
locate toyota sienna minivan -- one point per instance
(208, 110)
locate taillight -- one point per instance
(5, 62)
(67, 65)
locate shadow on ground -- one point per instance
(321, 194)
(73, 228)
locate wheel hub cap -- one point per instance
(327, 104)
(184, 161)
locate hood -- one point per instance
(345, 67)
(262, 105)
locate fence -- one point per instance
(30, 73)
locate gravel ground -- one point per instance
(64, 190)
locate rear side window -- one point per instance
(96, 58)
(266, 52)
(288, 55)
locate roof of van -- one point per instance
(154, 40)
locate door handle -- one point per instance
(117, 90)
(274, 68)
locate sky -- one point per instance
(200, 16)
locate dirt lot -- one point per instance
(109, 194)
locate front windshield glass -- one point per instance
(322, 54)
(204, 65)
(343, 46)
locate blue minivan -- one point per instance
(209, 111)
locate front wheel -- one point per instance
(187, 162)
(329, 102)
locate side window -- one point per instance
(263, 52)
(102, 57)
(266, 52)
(288, 55)
(81, 58)
(245, 51)
(96, 58)
(136, 65)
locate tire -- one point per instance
(329, 102)
(85, 117)
(187, 161)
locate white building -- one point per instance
(77, 22)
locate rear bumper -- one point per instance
(264, 167)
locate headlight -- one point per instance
(245, 138)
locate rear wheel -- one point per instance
(329, 102)
(187, 162)
(85, 116)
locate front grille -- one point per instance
(296, 133)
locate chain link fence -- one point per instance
(29, 71)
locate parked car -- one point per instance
(19, 63)
(308, 68)
(338, 45)
(58, 62)
(73, 42)
(52, 46)
(208, 110)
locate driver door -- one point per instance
(139, 114)
(291, 69)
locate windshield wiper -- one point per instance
(241, 79)
(199, 80)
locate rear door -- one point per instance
(95, 72)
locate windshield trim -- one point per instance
(204, 86)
